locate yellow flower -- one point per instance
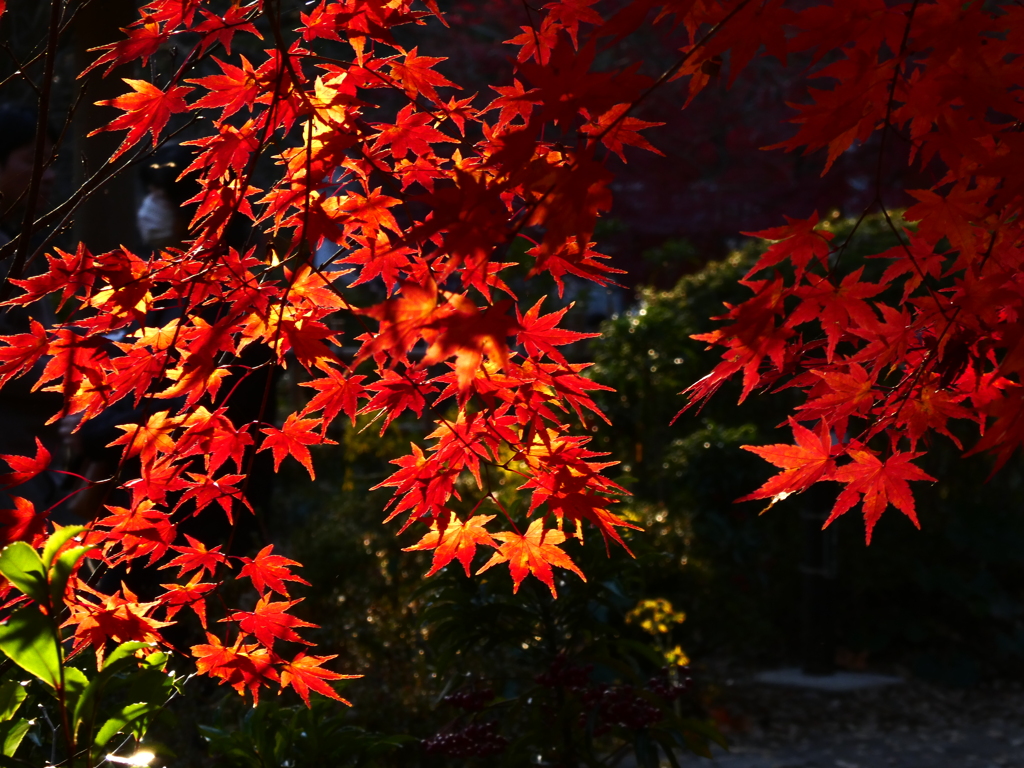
(655, 616)
(677, 657)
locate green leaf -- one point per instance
(75, 686)
(124, 718)
(62, 570)
(30, 640)
(12, 693)
(23, 568)
(115, 661)
(156, 660)
(665, 740)
(646, 751)
(57, 540)
(124, 651)
(15, 733)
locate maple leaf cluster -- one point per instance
(416, 187)
(422, 189)
(888, 363)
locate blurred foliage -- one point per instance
(297, 737)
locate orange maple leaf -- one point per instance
(456, 540)
(149, 439)
(304, 673)
(243, 667)
(119, 618)
(533, 552)
(270, 621)
(417, 76)
(192, 595)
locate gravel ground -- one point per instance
(911, 725)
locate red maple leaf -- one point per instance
(213, 436)
(222, 29)
(834, 306)
(148, 109)
(291, 440)
(533, 552)
(196, 557)
(412, 131)
(21, 523)
(616, 131)
(569, 13)
(839, 396)
(22, 352)
(234, 89)
(192, 595)
(270, 571)
(800, 241)
(879, 483)
(536, 43)
(149, 439)
(25, 468)
(396, 392)
(379, 258)
(270, 621)
(402, 319)
(540, 334)
(367, 214)
(139, 531)
(804, 464)
(205, 490)
(336, 393)
(471, 335)
(461, 110)
(514, 101)
(143, 40)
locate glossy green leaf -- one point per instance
(12, 693)
(75, 686)
(156, 660)
(21, 565)
(59, 538)
(62, 570)
(120, 658)
(124, 651)
(30, 640)
(15, 733)
(119, 722)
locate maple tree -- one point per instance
(339, 132)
